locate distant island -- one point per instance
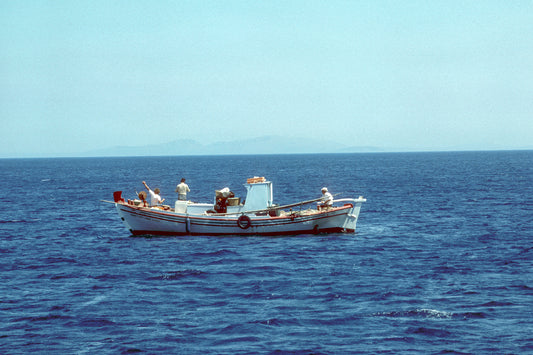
(260, 145)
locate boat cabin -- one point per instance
(259, 196)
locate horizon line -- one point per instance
(407, 151)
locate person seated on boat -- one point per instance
(221, 205)
(142, 198)
(155, 198)
(182, 190)
(327, 199)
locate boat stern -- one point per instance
(352, 216)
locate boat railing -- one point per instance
(275, 208)
(356, 200)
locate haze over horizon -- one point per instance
(422, 76)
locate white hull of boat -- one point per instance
(155, 221)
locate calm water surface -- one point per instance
(441, 261)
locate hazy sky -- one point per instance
(423, 75)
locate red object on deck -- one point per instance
(117, 196)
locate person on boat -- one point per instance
(221, 205)
(155, 198)
(327, 199)
(142, 197)
(182, 190)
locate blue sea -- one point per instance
(441, 261)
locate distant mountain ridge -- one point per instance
(259, 145)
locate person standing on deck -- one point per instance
(182, 190)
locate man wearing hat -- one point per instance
(327, 199)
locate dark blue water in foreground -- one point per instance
(442, 260)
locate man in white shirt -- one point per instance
(155, 199)
(182, 190)
(327, 199)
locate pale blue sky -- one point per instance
(421, 75)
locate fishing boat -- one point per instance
(228, 215)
